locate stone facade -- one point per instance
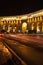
(14, 24)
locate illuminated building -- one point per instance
(23, 23)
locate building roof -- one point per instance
(25, 16)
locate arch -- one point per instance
(38, 27)
(33, 26)
(24, 27)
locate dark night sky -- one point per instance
(18, 7)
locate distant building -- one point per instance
(23, 23)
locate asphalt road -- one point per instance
(29, 54)
(5, 55)
(32, 38)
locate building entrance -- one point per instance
(24, 27)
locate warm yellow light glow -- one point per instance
(9, 18)
(20, 21)
(32, 19)
(17, 18)
(38, 29)
(9, 22)
(6, 51)
(24, 27)
(31, 15)
(36, 14)
(9, 28)
(4, 22)
(42, 27)
(1, 23)
(24, 24)
(14, 29)
(35, 19)
(28, 20)
(33, 26)
(40, 18)
(4, 27)
(16, 22)
(12, 22)
(24, 17)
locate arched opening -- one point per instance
(33, 26)
(24, 27)
(9, 28)
(42, 27)
(38, 27)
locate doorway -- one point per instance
(24, 27)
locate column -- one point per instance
(42, 27)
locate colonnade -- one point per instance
(15, 26)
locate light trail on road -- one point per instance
(30, 55)
(28, 48)
(16, 60)
(36, 38)
(5, 55)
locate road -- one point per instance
(37, 38)
(29, 54)
(5, 55)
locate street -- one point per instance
(29, 54)
(5, 55)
